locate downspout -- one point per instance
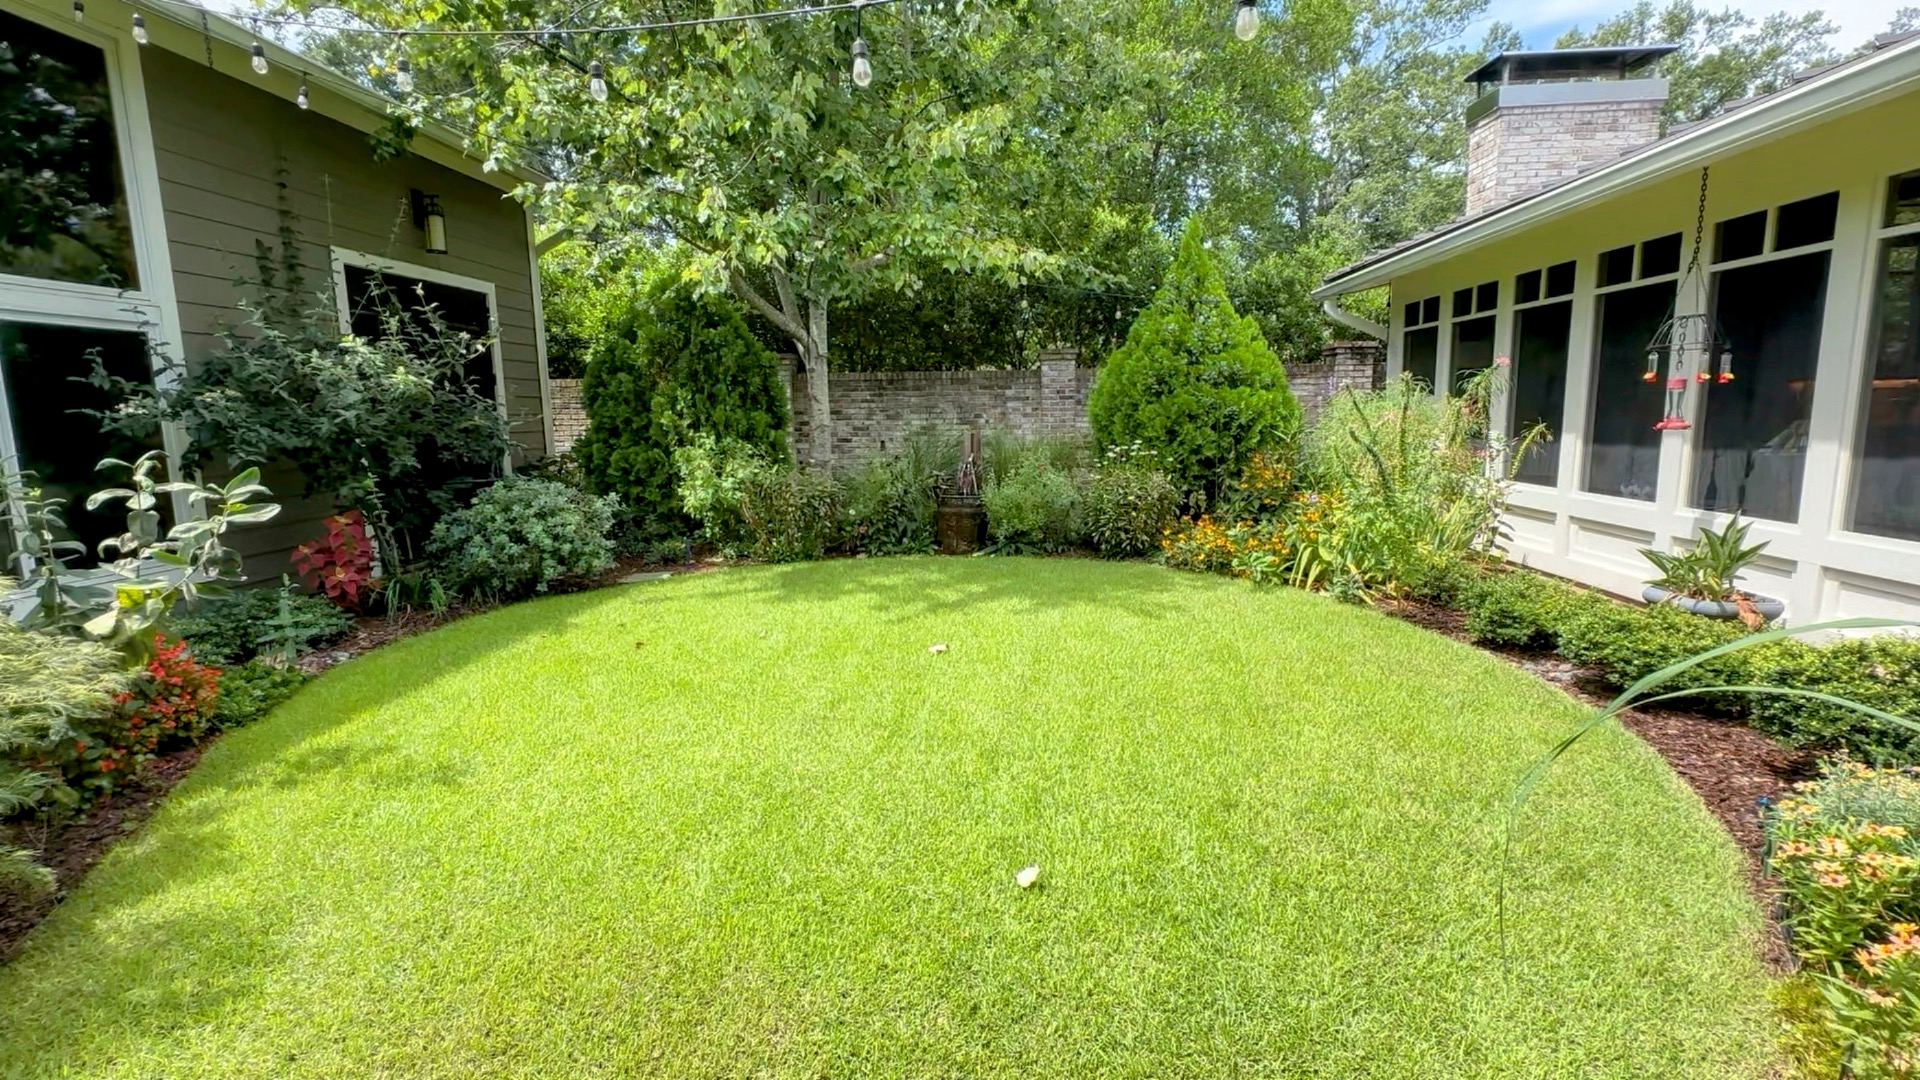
(1331, 307)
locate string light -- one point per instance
(259, 59)
(1246, 19)
(403, 75)
(862, 67)
(561, 31)
(139, 29)
(300, 98)
(79, 11)
(596, 81)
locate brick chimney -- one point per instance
(1543, 117)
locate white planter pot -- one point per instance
(1769, 608)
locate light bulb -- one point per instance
(300, 98)
(403, 75)
(1246, 20)
(139, 29)
(79, 11)
(862, 67)
(596, 81)
(259, 59)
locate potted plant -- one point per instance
(1701, 580)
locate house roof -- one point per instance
(341, 97)
(1890, 67)
(1568, 63)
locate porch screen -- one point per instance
(1753, 439)
(1623, 450)
(1472, 348)
(1421, 349)
(1887, 483)
(1540, 387)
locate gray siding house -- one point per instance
(138, 184)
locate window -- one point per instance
(1555, 280)
(1798, 224)
(1753, 439)
(1472, 348)
(1623, 453)
(63, 205)
(1660, 255)
(1740, 238)
(46, 430)
(370, 295)
(1420, 344)
(1541, 337)
(1560, 279)
(1886, 495)
(1616, 266)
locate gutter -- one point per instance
(1874, 79)
(1330, 305)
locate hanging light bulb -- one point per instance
(1246, 19)
(139, 29)
(596, 81)
(259, 59)
(300, 98)
(862, 67)
(403, 75)
(79, 11)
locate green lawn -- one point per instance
(746, 824)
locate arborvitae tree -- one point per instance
(1195, 382)
(678, 364)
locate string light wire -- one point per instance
(559, 31)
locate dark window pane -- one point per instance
(1741, 237)
(1903, 200)
(370, 294)
(1660, 256)
(1430, 310)
(1560, 279)
(1887, 488)
(1421, 353)
(1753, 442)
(1526, 287)
(1623, 456)
(1809, 221)
(1472, 348)
(1462, 303)
(1487, 297)
(63, 209)
(1412, 316)
(57, 442)
(1540, 387)
(1616, 266)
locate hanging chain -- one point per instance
(1699, 223)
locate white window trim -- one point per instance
(151, 309)
(1854, 438)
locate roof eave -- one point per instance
(1866, 83)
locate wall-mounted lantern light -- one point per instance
(430, 219)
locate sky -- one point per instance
(1540, 21)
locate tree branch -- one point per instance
(745, 291)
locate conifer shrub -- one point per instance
(1195, 383)
(678, 365)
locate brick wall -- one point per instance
(569, 415)
(874, 411)
(1514, 150)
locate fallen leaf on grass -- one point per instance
(1028, 876)
(937, 648)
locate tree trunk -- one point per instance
(819, 408)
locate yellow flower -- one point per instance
(1834, 881)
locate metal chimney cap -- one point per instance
(1616, 62)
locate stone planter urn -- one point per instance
(960, 524)
(1767, 607)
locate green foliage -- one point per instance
(1519, 609)
(678, 365)
(521, 537)
(790, 514)
(1708, 569)
(892, 498)
(583, 298)
(1004, 452)
(1882, 671)
(1127, 507)
(150, 574)
(390, 426)
(1626, 643)
(249, 691)
(50, 687)
(1195, 382)
(1846, 865)
(712, 477)
(1033, 508)
(246, 623)
(169, 702)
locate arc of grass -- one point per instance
(1631, 696)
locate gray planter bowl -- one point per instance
(1769, 608)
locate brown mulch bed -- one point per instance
(70, 848)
